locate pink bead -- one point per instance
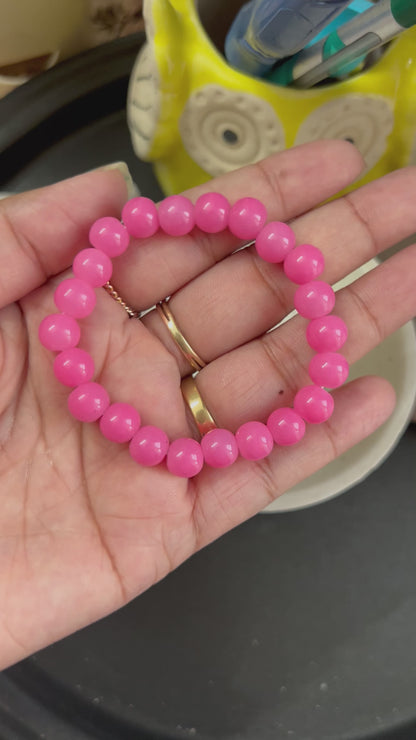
(59, 331)
(327, 333)
(149, 446)
(176, 215)
(120, 422)
(328, 369)
(314, 299)
(254, 440)
(246, 218)
(211, 212)
(75, 298)
(109, 235)
(219, 447)
(73, 366)
(140, 217)
(305, 263)
(88, 401)
(286, 426)
(314, 404)
(275, 241)
(93, 266)
(185, 458)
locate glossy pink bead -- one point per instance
(254, 440)
(246, 218)
(304, 263)
(176, 215)
(327, 333)
(219, 447)
(75, 298)
(93, 266)
(149, 446)
(286, 426)
(313, 404)
(140, 217)
(73, 366)
(211, 212)
(185, 458)
(109, 235)
(314, 299)
(275, 241)
(59, 331)
(88, 401)
(329, 369)
(120, 422)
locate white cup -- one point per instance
(395, 360)
(30, 29)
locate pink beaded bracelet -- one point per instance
(120, 422)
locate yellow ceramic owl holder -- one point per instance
(195, 117)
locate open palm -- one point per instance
(83, 528)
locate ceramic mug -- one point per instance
(194, 117)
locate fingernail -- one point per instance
(132, 189)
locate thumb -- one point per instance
(42, 230)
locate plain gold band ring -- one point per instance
(202, 417)
(195, 361)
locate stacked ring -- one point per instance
(314, 299)
(195, 361)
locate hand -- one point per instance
(83, 528)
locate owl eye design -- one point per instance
(222, 129)
(364, 120)
(144, 102)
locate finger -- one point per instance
(256, 378)
(288, 184)
(42, 230)
(225, 498)
(242, 297)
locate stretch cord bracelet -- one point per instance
(120, 422)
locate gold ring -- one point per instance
(199, 411)
(111, 290)
(195, 361)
